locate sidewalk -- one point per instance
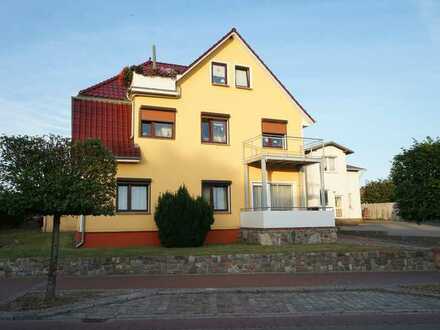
(13, 287)
(258, 298)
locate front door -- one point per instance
(338, 206)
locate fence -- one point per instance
(380, 211)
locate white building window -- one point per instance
(330, 164)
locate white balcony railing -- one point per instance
(281, 146)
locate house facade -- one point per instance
(341, 182)
(224, 126)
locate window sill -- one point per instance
(243, 87)
(133, 213)
(222, 212)
(157, 137)
(220, 85)
(216, 143)
(273, 147)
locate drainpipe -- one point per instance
(82, 229)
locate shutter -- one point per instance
(158, 115)
(274, 127)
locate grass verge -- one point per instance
(27, 243)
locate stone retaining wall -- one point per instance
(240, 263)
(287, 236)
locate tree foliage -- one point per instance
(378, 191)
(416, 175)
(183, 221)
(53, 176)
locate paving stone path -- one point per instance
(220, 303)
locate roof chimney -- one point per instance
(154, 57)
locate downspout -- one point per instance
(82, 229)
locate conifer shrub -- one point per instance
(183, 221)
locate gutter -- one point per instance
(82, 229)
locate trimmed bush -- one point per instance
(416, 175)
(183, 221)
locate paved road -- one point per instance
(410, 321)
(397, 228)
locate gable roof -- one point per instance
(346, 150)
(228, 35)
(114, 87)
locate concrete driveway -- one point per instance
(394, 228)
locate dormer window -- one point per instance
(242, 77)
(219, 73)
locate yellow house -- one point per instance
(224, 126)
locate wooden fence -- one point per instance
(380, 211)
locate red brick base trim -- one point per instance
(147, 238)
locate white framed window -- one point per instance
(330, 164)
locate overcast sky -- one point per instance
(368, 71)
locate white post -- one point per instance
(263, 183)
(246, 186)
(305, 188)
(321, 174)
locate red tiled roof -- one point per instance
(108, 121)
(114, 88)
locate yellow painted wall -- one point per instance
(185, 160)
(67, 224)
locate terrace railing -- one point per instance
(281, 146)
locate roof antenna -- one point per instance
(154, 57)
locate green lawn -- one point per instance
(27, 243)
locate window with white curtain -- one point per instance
(216, 193)
(132, 196)
(122, 197)
(242, 77)
(157, 129)
(280, 195)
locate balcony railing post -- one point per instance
(263, 184)
(246, 185)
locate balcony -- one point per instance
(285, 153)
(293, 217)
(281, 150)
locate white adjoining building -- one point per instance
(341, 182)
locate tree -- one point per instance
(51, 175)
(183, 221)
(378, 191)
(416, 175)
